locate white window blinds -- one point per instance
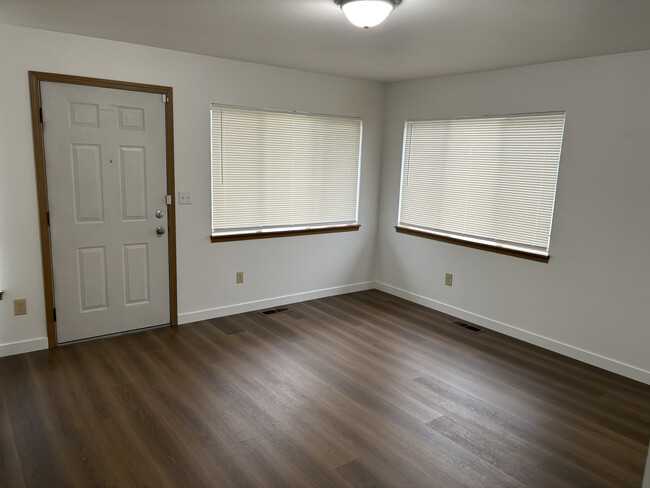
(276, 170)
(489, 180)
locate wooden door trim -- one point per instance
(35, 78)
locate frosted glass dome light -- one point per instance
(367, 13)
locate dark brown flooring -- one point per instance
(359, 390)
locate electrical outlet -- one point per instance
(184, 198)
(240, 277)
(20, 306)
(448, 279)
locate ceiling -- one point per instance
(421, 38)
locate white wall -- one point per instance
(592, 300)
(276, 270)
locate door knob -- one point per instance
(159, 214)
(160, 230)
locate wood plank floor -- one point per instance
(358, 390)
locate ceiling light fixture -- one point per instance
(367, 13)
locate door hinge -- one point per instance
(164, 98)
(40, 114)
(54, 313)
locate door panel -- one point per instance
(87, 173)
(92, 278)
(136, 271)
(134, 188)
(105, 159)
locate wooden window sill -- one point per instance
(283, 233)
(474, 245)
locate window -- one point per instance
(485, 182)
(279, 173)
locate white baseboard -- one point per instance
(646, 476)
(526, 336)
(185, 318)
(20, 347)
(588, 357)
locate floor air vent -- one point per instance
(467, 326)
(272, 311)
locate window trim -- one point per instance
(541, 258)
(265, 234)
(300, 230)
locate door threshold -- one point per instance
(116, 334)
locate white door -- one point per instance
(106, 169)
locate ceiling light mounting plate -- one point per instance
(340, 3)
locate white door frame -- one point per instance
(35, 78)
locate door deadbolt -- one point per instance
(159, 214)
